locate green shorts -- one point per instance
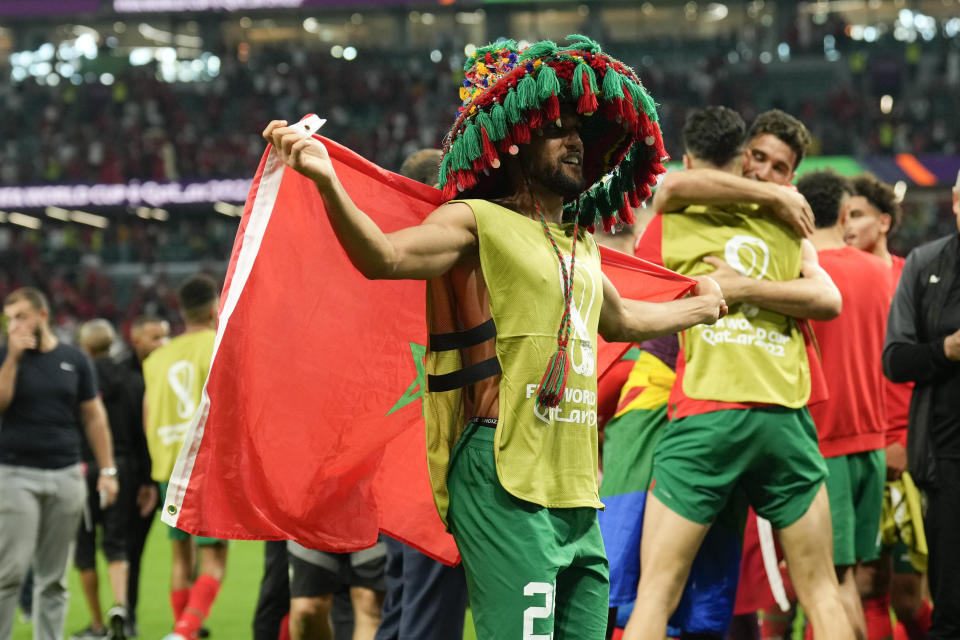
(769, 453)
(179, 534)
(855, 487)
(532, 572)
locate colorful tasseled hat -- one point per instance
(508, 92)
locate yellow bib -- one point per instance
(174, 376)
(752, 355)
(548, 457)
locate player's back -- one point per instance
(174, 376)
(853, 419)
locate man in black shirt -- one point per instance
(923, 345)
(45, 387)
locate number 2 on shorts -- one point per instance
(534, 613)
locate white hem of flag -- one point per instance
(263, 203)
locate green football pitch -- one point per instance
(232, 614)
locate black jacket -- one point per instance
(913, 350)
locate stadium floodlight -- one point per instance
(900, 190)
(160, 214)
(57, 213)
(886, 104)
(90, 219)
(24, 220)
(349, 53)
(223, 207)
(3, 216)
(143, 212)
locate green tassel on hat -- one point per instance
(527, 92)
(612, 85)
(576, 85)
(511, 106)
(497, 126)
(543, 49)
(547, 82)
(580, 42)
(472, 142)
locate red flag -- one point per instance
(640, 280)
(311, 426)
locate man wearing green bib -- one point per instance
(740, 431)
(174, 376)
(512, 448)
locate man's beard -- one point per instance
(560, 182)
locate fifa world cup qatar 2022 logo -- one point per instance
(749, 256)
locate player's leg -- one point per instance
(697, 464)
(212, 569)
(869, 474)
(873, 583)
(315, 578)
(367, 604)
(907, 602)
(115, 545)
(367, 589)
(809, 553)
(582, 593)
(181, 570)
(509, 546)
(786, 488)
(667, 549)
(310, 618)
(85, 558)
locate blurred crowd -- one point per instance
(384, 106)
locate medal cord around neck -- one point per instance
(554, 381)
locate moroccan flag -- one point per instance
(311, 425)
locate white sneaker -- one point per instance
(117, 617)
(174, 636)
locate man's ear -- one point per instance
(886, 221)
(687, 162)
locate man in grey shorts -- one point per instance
(317, 581)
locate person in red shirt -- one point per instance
(851, 424)
(872, 214)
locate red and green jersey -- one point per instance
(854, 419)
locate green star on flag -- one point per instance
(419, 385)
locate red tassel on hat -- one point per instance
(626, 213)
(535, 118)
(504, 145)
(520, 133)
(489, 156)
(552, 108)
(634, 199)
(588, 100)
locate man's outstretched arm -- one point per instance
(713, 187)
(625, 320)
(813, 295)
(421, 252)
